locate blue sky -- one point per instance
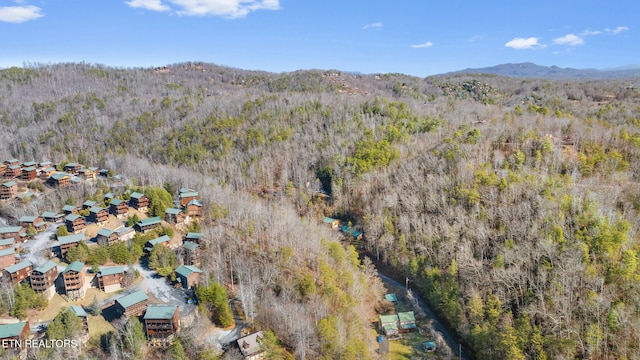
(416, 37)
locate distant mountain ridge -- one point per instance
(531, 70)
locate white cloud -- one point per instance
(617, 30)
(476, 38)
(224, 8)
(523, 43)
(374, 25)
(428, 44)
(19, 14)
(569, 39)
(153, 5)
(589, 32)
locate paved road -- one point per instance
(454, 345)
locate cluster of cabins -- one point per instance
(348, 230)
(14, 170)
(394, 325)
(161, 322)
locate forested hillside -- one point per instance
(512, 204)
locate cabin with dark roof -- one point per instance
(119, 208)
(19, 272)
(43, 279)
(133, 304)
(8, 190)
(74, 282)
(110, 279)
(161, 323)
(139, 201)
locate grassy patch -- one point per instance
(98, 326)
(52, 309)
(409, 347)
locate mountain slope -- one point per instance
(530, 70)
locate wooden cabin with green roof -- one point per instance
(52, 217)
(17, 233)
(186, 196)
(191, 253)
(110, 278)
(407, 321)
(145, 225)
(35, 221)
(194, 208)
(164, 240)
(139, 201)
(74, 281)
(28, 173)
(98, 215)
(83, 316)
(389, 325)
(13, 172)
(43, 279)
(193, 237)
(68, 241)
(173, 216)
(72, 168)
(12, 339)
(118, 208)
(7, 244)
(7, 257)
(75, 224)
(59, 179)
(8, 190)
(20, 271)
(161, 323)
(188, 275)
(107, 237)
(133, 304)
